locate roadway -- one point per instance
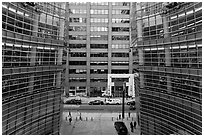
(95, 108)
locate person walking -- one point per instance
(131, 126)
(134, 124)
(80, 118)
(129, 114)
(70, 114)
(119, 116)
(70, 120)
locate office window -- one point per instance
(99, 28)
(79, 20)
(99, 55)
(99, 80)
(121, 3)
(99, 37)
(77, 37)
(119, 71)
(120, 54)
(78, 54)
(77, 79)
(120, 20)
(120, 29)
(119, 37)
(77, 62)
(120, 46)
(99, 63)
(77, 71)
(99, 46)
(77, 11)
(99, 20)
(98, 11)
(77, 28)
(77, 46)
(122, 12)
(119, 63)
(99, 71)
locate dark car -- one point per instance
(96, 102)
(132, 107)
(121, 128)
(73, 101)
(131, 102)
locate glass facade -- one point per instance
(167, 46)
(32, 57)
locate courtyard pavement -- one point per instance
(92, 123)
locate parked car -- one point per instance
(131, 102)
(73, 101)
(132, 107)
(96, 102)
(121, 128)
(113, 102)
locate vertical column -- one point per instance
(66, 43)
(56, 57)
(61, 28)
(141, 58)
(109, 85)
(139, 29)
(165, 26)
(33, 56)
(139, 22)
(109, 36)
(32, 63)
(59, 58)
(61, 33)
(132, 85)
(31, 83)
(58, 80)
(167, 55)
(141, 80)
(130, 59)
(88, 50)
(35, 25)
(35, 30)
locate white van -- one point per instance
(113, 102)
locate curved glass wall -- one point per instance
(33, 53)
(168, 58)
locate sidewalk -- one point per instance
(94, 124)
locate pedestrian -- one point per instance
(70, 114)
(80, 118)
(135, 124)
(70, 120)
(119, 116)
(131, 126)
(129, 114)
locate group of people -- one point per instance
(128, 115)
(133, 125)
(70, 118)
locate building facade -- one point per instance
(167, 49)
(33, 57)
(99, 41)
